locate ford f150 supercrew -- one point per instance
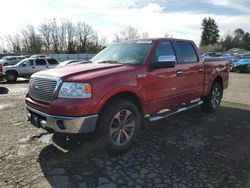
(123, 85)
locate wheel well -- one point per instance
(12, 71)
(219, 80)
(126, 95)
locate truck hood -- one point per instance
(81, 72)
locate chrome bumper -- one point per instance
(2, 76)
(62, 124)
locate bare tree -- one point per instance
(127, 33)
(45, 32)
(168, 35)
(54, 33)
(61, 37)
(31, 40)
(97, 42)
(145, 35)
(14, 42)
(83, 35)
(70, 33)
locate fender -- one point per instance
(215, 74)
(115, 91)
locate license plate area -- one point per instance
(35, 120)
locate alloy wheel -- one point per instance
(122, 127)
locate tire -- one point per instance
(11, 76)
(212, 101)
(118, 125)
(238, 69)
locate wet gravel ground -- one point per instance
(192, 149)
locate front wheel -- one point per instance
(119, 125)
(11, 76)
(212, 101)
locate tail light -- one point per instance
(1, 68)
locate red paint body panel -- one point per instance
(158, 89)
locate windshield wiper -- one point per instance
(110, 61)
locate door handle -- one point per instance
(179, 73)
(200, 70)
(33, 67)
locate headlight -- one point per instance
(75, 90)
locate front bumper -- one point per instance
(61, 124)
(2, 77)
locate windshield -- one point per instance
(21, 62)
(124, 53)
(5, 58)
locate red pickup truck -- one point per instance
(2, 75)
(123, 85)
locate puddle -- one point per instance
(44, 138)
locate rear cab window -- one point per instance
(41, 62)
(52, 62)
(187, 52)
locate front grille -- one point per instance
(42, 89)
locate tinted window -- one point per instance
(164, 48)
(52, 61)
(40, 62)
(187, 51)
(13, 59)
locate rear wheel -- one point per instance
(119, 125)
(212, 101)
(238, 69)
(11, 76)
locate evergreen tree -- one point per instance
(210, 33)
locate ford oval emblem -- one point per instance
(37, 87)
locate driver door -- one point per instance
(27, 68)
(163, 88)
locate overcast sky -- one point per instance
(181, 19)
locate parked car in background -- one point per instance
(38, 56)
(242, 66)
(65, 63)
(11, 60)
(1, 73)
(27, 67)
(125, 83)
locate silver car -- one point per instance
(27, 67)
(11, 60)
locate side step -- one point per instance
(158, 116)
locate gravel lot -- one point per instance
(192, 149)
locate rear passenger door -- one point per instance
(190, 70)
(41, 64)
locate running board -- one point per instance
(158, 116)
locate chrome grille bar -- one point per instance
(43, 88)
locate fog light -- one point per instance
(60, 124)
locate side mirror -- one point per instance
(165, 61)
